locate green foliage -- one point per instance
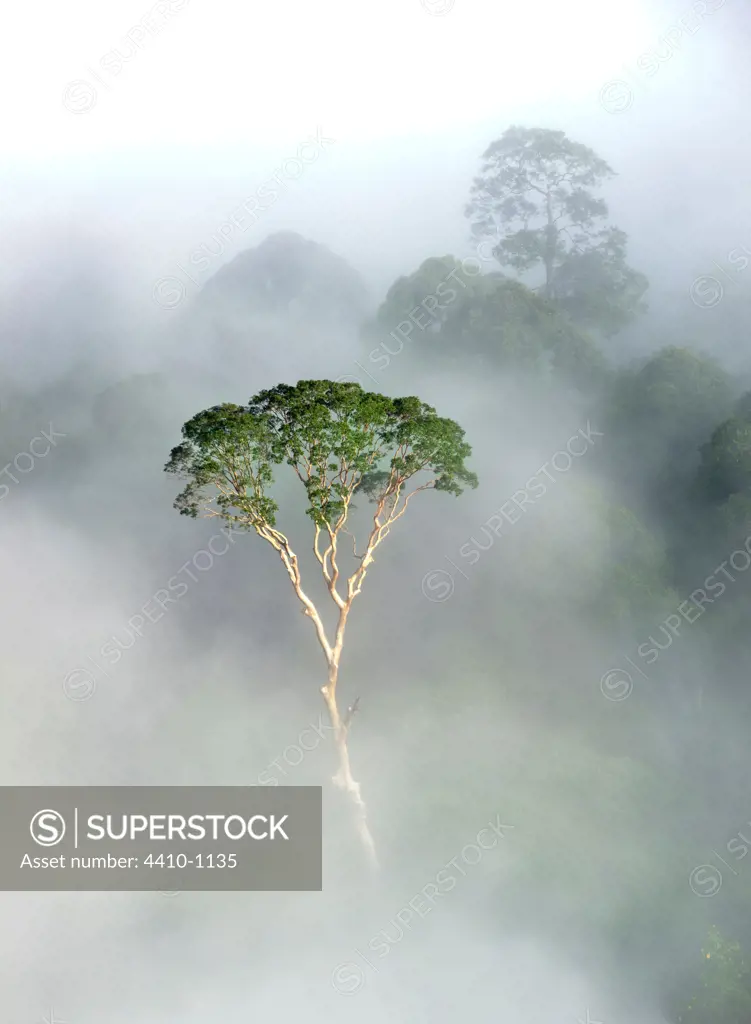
(518, 328)
(534, 199)
(675, 386)
(597, 287)
(490, 318)
(725, 468)
(635, 591)
(337, 438)
(662, 413)
(724, 987)
(735, 515)
(441, 277)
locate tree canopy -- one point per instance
(725, 469)
(338, 439)
(447, 312)
(535, 200)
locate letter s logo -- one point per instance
(47, 828)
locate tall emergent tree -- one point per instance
(339, 440)
(534, 199)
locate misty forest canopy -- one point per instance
(668, 497)
(287, 273)
(490, 318)
(535, 208)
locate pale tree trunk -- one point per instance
(343, 778)
(388, 505)
(332, 652)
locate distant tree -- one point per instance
(597, 288)
(656, 417)
(534, 199)
(725, 469)
(340, 441)
(288, 274)
(674, 391)
(661, 413)
(512, 325)
(432, 293)
(449, 308)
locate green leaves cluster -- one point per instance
(725, 470)
(337, 437)
(490, 317)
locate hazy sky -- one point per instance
(226, 71)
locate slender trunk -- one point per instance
(343, 777)
(549, 249)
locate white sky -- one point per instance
(222, 71)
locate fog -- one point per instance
(491, 665)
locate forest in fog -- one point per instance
(533, 746)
